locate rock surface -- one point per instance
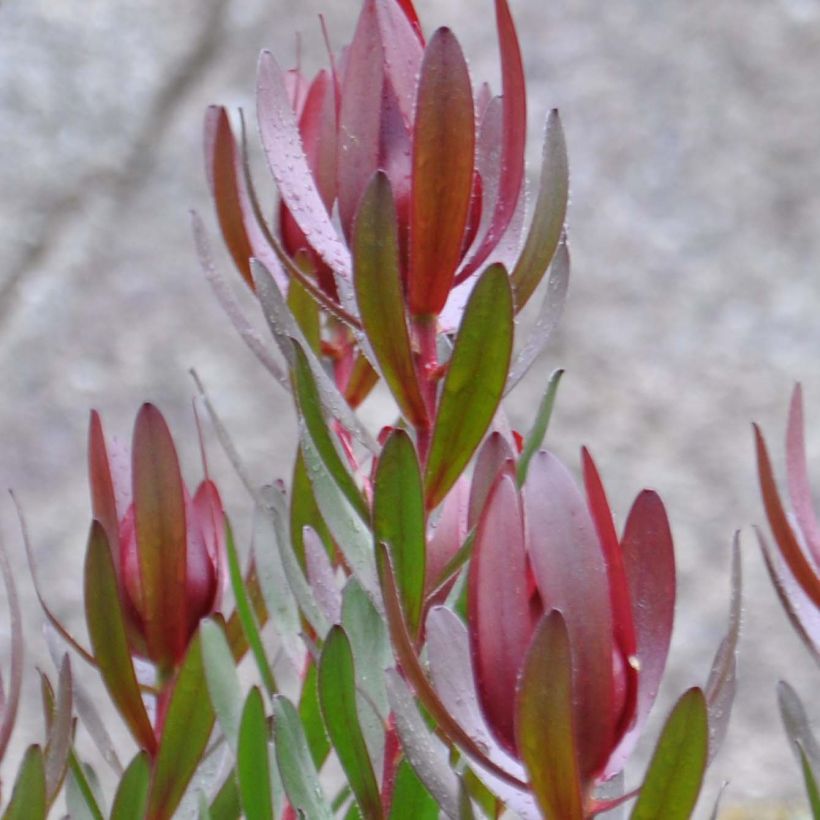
(693, 305)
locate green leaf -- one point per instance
(299, 776)
(226, 805)
(132, 793)
(544, 721)
(28, 798)
(811, 783)
(411, 800)
(185, 734)
(83, 796)
(106, 628)
(310, 713)
(159, 520)
(222, 679)
(304, 511)
(672, 784)
(398, 520)
(535, 436)
(59, 733)
(380, 296)
(337, 696)
(252, 760)
(245, 612)
(305, 310)
(310, 406)
(474, 383)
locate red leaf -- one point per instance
(797, 475)
(444, 540)
(159, 517)
(234, 210)
(514, 136)
(411, 14)
(289, 166)
(803, 572)
(499, 615)
(571, 574)
(624, 626)
(649, 563)
(442, 177)
(493, 455)
(360, 115)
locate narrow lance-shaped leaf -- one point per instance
(377, 279)
(299, 776)
(443, 159)
(337, 696)
(548, 218)
(811, 783)
(9, 703)
(672, 784)
(106, 628)
(535, 437)
(252, 760)
(159, 519)
(544, 725)
(411, 800)
(398, 519)
(28, 798)
(222, 679)
(132, 793)
(796, 722)
(59, 735)
(474, 382)
(797, 475)
(800, 567)
(185, 734)
(310, 714)
(310, 407)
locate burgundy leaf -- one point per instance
(447, 535)
(803, 572)
(443, 157)
(500, 617)
(571, 574)
(797, 475)
(495, 452)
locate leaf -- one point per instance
(544, 725)
(672, 783)
(306, 313)
(59, 735)
(159, 520)
(548, 216)
(380, 297)
(442, 174)
(8, 709)
(132, 793)
(790, 549)
(185, 734)
(797, 475)
(226, 805)
(411, 800)
(289, 167)
(296, 768)
(222, 679)
(310, 714)
(337, 696)
(348, 528)
(310, 407)
(513, 137)
(106, 628)
(252, 760)
(83, 796)
(494, 453)
(28, 798)
(398, 519)
(412, 669)
(499, 614)
(535, 437)
(425, 753)
(304, 511)
(797, 725)
(552, 307)
(811, 784)
(570, 572)
(722, 682)
(474, 382)
(245, 612)
(322, 577)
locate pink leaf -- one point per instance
(495, 452)
(797, 475)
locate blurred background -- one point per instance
(693, 129)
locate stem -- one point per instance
(392, 759)
(424, 328)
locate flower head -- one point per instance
(167, 548)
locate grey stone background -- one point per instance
(693, 135)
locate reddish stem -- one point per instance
(392, 758)
(426, 368)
